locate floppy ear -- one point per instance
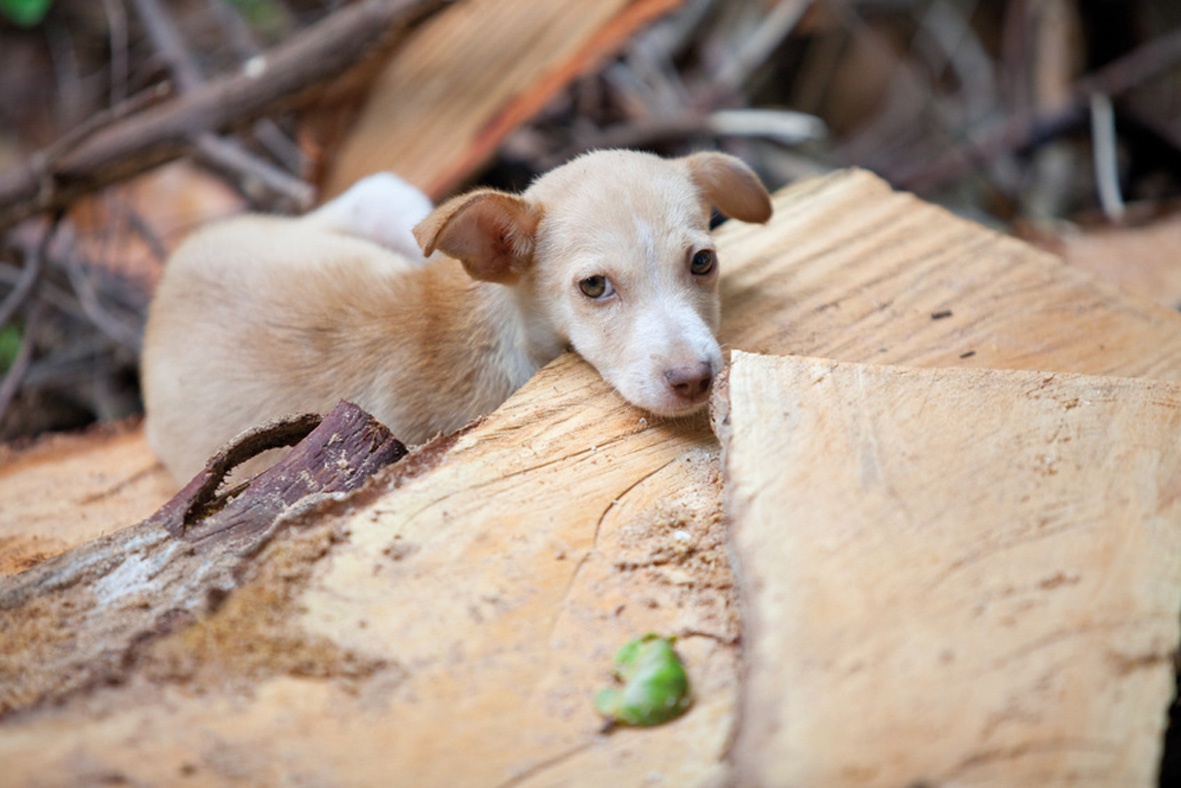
(492, 233)
(730, 186)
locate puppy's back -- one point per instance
(243, 326)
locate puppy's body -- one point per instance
(260, 317)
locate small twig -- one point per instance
(280, 146)
(117, 26)
(29, 277)
(95, 311)
(953, 43)
(782, 126)
(230, 157)
(64, 57)
(234, 29)
(148, 235)
(1105, 157)
(754, 52)
(169, 44)
(50, 293)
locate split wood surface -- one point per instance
(952, 577)
(451, 624)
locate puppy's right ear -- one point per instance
(492, 233)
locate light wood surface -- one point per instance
(483, 598)
(952, 577)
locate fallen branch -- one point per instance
(284, 77)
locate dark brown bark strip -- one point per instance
(78, 620)
(280, 78)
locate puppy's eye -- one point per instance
(596, 287)
(703, 262)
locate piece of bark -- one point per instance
(77, 621)
(951, 577)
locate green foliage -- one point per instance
(10, 343)
(25, 13)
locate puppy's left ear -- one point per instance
(492, 233)
(730, 186)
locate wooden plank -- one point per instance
(952, 576)
(438, 110)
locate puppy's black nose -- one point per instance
(690, 382)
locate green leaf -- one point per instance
(654, 687)
(25, 13)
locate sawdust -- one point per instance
(18, 553)
(250, 635)
(680, 546)
(29, 639)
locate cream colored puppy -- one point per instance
(260, 317)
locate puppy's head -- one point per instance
(612, 253)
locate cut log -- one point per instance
(1140, 259)
(952, 577)
(473, 606)
(454, 633)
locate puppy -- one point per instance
(259, 317)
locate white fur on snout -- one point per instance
(382, 208)
(667, 335)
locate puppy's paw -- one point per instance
(382, 208)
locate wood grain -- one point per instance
(850, 269)
(952, 577)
